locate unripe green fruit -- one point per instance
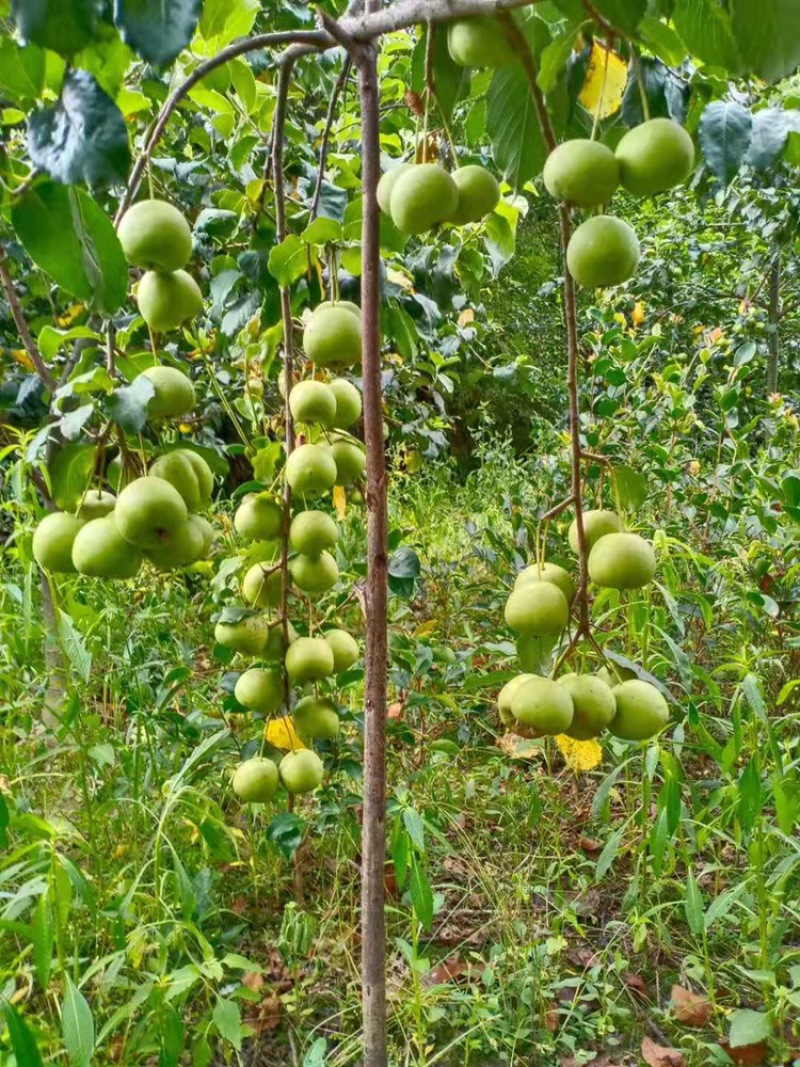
(261, 590)
(155, 236)
(149, 511)
(260, 690)
(207, 530)
(344, 647)
(593, 703)
(95, 504)
(603, 251)
(256, 780)
(479, 42)
(166, 301)
(275, 649)
(348, 305)
(641, 711)
(537, 608)
(350, 460)
(301, 771)
(315, 574)
(184, 546)
(596, 524)
(612, 678)
(506, 695)
(101, 551)
(332, 337)
(622, 561)
(543, 705)
(548, 572)
(258, 518)
(309, 659)
(387, 184)
(478, 194)
(249, 635)
(348, 403)
(316, 719)
(312, 532)
(53, 540)
(187, 472)
(174, 393)
(582, 172)
(313, 402)
(311, 470)
(655, 156)
(422, 196)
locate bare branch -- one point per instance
(25, 335)
(326, 134)
(407, 13)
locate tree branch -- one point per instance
(25, 334)
(407, 13)
(326, 134)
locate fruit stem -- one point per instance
(431, 94)
(637, 66)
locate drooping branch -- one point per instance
(24, 332)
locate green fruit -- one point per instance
(275, 649)
(256, 780)
(101, 551)
(316, 719)
(603, 251)
(543, 705)
(506, 695)
(596, 524)
(53, 540)
(537, 608)
(166, 301)
(258, 518)
(149, 511)
(641, 711)
(207, 530)
(260, 589)
(184, 546)
(615, 676)
(422, 196)
(655, 156)
(332, 337)
(348, 403)
(622, 561)
(350, 460)
(311, 470)
(249, 635)
(315, 574)
(260, 690)
(348, 305)
(387, 184)
(478, 194)
(187, 472)
(345, 649)
(582, 172)
(479, 42)
(155, 236)
(313, 402)
(548, 572)
(301, 771)
(52, 24)
(308, 659)
(95, 503)
(174, 393)
(311, 532)
(593, 704)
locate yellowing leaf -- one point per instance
(22, 357)
(426, 629)
(282, 734)
(73, 312)
(637, 315)
(397, 277)
(579, 755)
(604, 85)
(466, 317)
(340, 500)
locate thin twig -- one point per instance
(25, 334)
(326, 133)
(556, 511)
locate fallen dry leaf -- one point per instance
(750, 1055)
(253, 980)
(660, 1056)
(448, 970)
(636, 984)
(689, 1008)
(590, 846)
(268, 1016)
(582, 957)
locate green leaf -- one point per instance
(693, 905)
(70, 237)
(80, 659)
(415, 827)
(421, 894)
(499, 240)
(662, 40)
(21, 71)
(512, 127)
(128, 404)
(749, 796)
(631, 486)
(63, 27)
(554, 57)
(157, 31)
(322, 231)
(726, 130)
(224, 20)
(705, 28)
(228, 1020)
(288, 261)
(4, 821)
(767, 33)
(624, 15)
(70, 471)
(77, 1025)
(450, 82)
(42, 940)
(108, 59)
(82, 137)
(770, 133)
(23, 1043)
(749, 1028)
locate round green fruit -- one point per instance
(387, 184)
(53, 540)
(166, 301)
(422, 196)
(274, 650)
(641, 711)
(615, 676)
(548, 572)
(184, 546)
(301, 771)
(332, 337)
(101, 551)
(256, 780)
(315, 574)
(309, 659)
(258, 518)
(582, 172)
(543, 705)
(345, 649)
(350, 460)
(149, 511)
(260, 690)
(596, 524)
(603, 251)
(593, 702)
(622, 561)
(311, 532)
(348, 403)
(174, 393)
(311, 470)
(207, 530)
(479, 42)
(506, 695)
(537, 608)
(248, 635)
(348, 305)
(187, 472)
(313, 402)
(478, 194)
(316, 719)
(155, 236)
(655, 156)
(260, 589)
(95, 504)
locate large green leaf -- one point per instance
(70, 471)
(23, 1043)
(21, 71)
(771, 129)
(77, 1026)
(513, 128)
(70, 236)
(705, 28)
(289, 260)
(725, 133)
(158, 31)
(624, 15)
(128, 404)
(82, 137)
(63, 26)
(767, 33)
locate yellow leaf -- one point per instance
(282, 734)
(340, 500)
(22, 357)
(466, 317)
(605, 82)
(426, 629)
(401, 279)
(637, 315)
(73, 312)
(579, 755)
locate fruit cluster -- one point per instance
(419, 196)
